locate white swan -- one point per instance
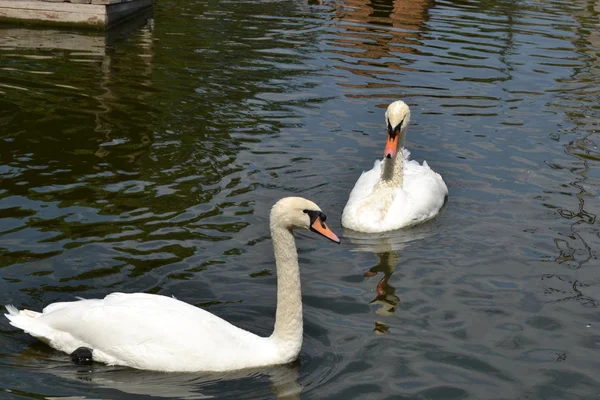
(397, 192)
(160, 333)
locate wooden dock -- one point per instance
(99, 14)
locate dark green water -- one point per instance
(147, 160)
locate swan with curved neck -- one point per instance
(397, 192)
(154, 332)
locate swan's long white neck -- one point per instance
(392, 176)
(397, 118)
(392, 171)
(287, 335)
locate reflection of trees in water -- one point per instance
(144, 51)
(70, 122)
(137, 164)
(578, 99)
(66, 128)
(156, 131)
(572, 291)
(153, 115)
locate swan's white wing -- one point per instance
(420, 198)
(366, 183)
(354, 212)
(424, 184)
(148, 332)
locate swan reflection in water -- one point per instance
(386, 296)
(387, 247)
(250, 383)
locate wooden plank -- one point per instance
(53, 12)
(88, 14)
(51, 6)
(56, 17)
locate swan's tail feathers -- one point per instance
(12, 310)
(27, 321)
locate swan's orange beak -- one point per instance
(391, 146)
(322, 229)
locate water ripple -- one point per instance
(147, 159)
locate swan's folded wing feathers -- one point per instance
(366, 182)
(53, 307)
(12, 311)
(121, 321)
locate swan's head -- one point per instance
(397, 117)
(296, 212)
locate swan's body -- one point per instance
(397, 192)
(150, 332)
(160, 333)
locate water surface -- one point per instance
(147, 159)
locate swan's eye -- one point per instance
(313, 215)
(398, 127)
